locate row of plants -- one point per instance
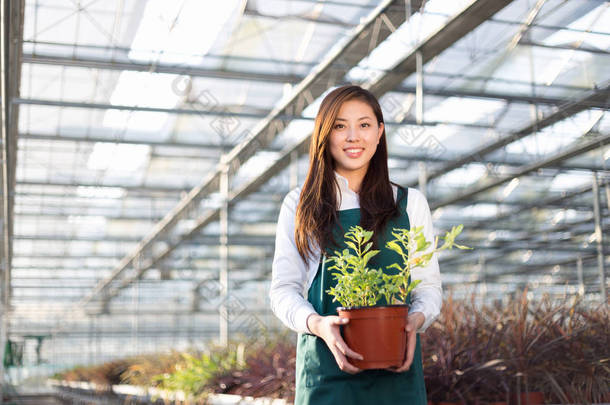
(472, 354)
(560, 348)
(264, 367)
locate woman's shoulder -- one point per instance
(417, 203)
(414, 196)
(404, 191)
(292, 198)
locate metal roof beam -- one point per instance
(407, 156)
(122, 63)
(538, 203)
(93, 63)
(361, 41)
(571, 152)
(597, 97)
(169, 144)
(570, 47)
(514, 214)
(525, 269)
(472, 16)
(494, 95)
(269, 219)
(147, 188)
(226, 111)
(249, 11)
(254, 113)
(442, 39)
(113, 217)
(207, 240)
(510, 246)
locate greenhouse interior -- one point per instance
(148, 147)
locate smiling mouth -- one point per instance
(353, 152)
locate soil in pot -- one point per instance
(377, 333)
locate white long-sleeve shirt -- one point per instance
(291, 277)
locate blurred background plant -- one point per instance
(473, 353)
(193, 373)
(492, 353)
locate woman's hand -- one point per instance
(414, 322)
(327, 328)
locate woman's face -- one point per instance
(354, 138)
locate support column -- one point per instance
(91, 341)
(98, 338)
(482, 277)
(5, 253)
(224, 257)
(581, 283)
(135, 320)
(599, 239)
(423, 178)
(419, 88)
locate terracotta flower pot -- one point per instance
(377, 333)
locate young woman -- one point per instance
(347, 184)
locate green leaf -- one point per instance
(427, 257)
(394, 266)
(395, 247)
(412, 286)
(353, 260)
(368, 256)
(352, 245)
(421, 242)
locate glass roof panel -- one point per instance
(92, 181)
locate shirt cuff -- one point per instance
(428, 316)
(300, 319)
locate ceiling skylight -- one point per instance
(181, 32)
(118, 157)
(462, 110)
(142, 89)
(405, 39)
(569, 181)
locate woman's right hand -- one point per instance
(327, 328)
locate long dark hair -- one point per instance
(317, 208)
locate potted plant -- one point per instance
(378, 331)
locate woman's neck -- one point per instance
(354, 181)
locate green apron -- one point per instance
(319, 380)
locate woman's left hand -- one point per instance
(414, 322)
